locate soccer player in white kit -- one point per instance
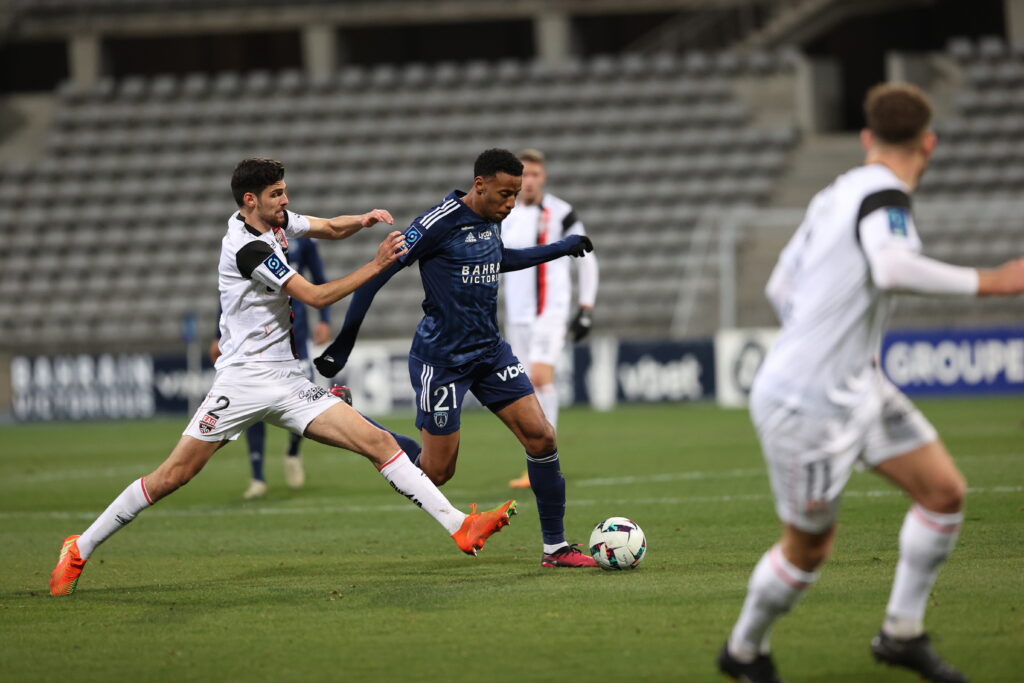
(538, 300)
(258, 373)
(821, 404)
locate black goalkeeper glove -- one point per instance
(582, 323)
(579, 245)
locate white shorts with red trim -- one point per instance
(541, 341)
(810, 457)
(278, 392)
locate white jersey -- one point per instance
(255, 320)
(545, 291)
(833, 314)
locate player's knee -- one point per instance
(947, 496)
(438, 475)
(542, 440)
(818, 555)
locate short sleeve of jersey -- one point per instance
(298, 225)
(258, 261)
(420, 242)
(885, 220)
(572, 225)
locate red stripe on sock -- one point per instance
(932, 524)
(144, 491)
(776, 563)
(394, 457)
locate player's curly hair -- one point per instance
(254, 174)
(897, 113)
(494, 161)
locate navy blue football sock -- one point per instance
(549, 488)
(255, 436)
(406, 443)
(293, 443)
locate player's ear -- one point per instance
(865, 139)
(928, 142)
(479, 185)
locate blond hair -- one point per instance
(532, 155)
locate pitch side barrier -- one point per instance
(604, 373)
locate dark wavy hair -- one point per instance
(252, 175)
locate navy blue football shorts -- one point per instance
(496, 378)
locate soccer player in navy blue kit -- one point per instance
(457, 346)
(304, 257)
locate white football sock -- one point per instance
(410, 481)
(547, 395)
(926, 540)
(775, 586)
(131, 502)
(549, 548)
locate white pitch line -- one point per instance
(669, 476)
(258, 509)
(139, 469)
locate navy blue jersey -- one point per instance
(304, 257)
(460, 256)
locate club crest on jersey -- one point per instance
(281, 239)
(207, 423)
(897, 221)
(441, 418)
(276, 266)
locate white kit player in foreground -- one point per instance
(538, 300)
(820, 403)
(259, 376)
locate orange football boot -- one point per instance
(479, 526)
(64, 578)
(520, 482)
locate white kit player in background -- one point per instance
(821, 404)
(538, 301)
(259, 377)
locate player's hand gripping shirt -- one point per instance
(545, 290)
(833, 311)
(255, 320)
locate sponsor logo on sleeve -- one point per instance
(897, 221)
(412, 236)
(276, 266)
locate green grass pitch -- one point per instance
(346, 581)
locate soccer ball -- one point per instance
(618, 543)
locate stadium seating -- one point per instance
(124, 215)
(981, 150)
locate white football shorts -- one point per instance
(275, 391)
(810, 457)
(541, 341)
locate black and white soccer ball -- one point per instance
(618, 543)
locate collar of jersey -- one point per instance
(253, 231)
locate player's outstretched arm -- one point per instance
(335, 290)
(517, 259)
(340, 227)
(335, 356)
